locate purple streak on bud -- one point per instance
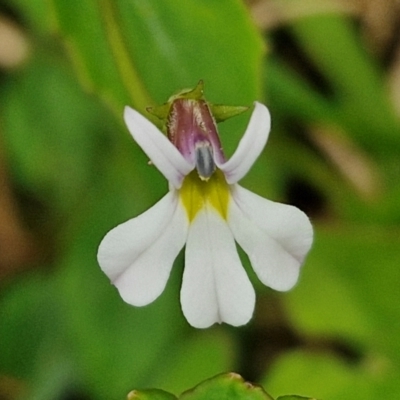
(192, 129)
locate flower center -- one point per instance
(196, 193)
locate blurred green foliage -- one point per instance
(74, 173)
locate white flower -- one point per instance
(208, 211)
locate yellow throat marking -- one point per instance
(196, 193)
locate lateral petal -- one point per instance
(138, 255)
(162, 153)
(250, 146)
(275, 236)
(215, 286)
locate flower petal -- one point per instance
(138, 255)
(162, 153)
(275, 236)
(215, 286)
(250, 146)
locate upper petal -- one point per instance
(250, 146)
(162, 153)
(275, 236)
(215, 286)
(138, 255)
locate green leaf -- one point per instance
(326, 376)
(150, 394)
(348, 289)
(34, 12)
(148, 50)
(293, 97)
(294, 397)
(52, 132)
(229, 386)
(86, 34)
(26, 313)
(196, 358)
(226, 386)
(358, 84)
(337, 40)
(175, 44)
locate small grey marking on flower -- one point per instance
(205, 164)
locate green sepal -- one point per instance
(150, 394)
(161, 112)
(222, 113)
(194, 94)
(219, 112)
